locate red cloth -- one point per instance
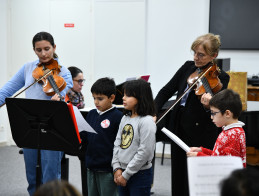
(231, 142)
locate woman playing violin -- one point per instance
(44, 47)
(190, 119)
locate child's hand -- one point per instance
(195, 149)
(191, 154)
(121, 181)
(116, 175)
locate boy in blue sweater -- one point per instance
(105, 120)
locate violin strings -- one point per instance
(206, 85)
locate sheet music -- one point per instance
(205, 173)
(81, 122)
(176, 139)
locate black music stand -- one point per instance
(42, 124)
(119, 94)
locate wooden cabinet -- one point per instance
(252, 93)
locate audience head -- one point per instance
(57, 188)
(241, 182)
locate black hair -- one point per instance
(241, 182)
(227, 99)
(104, 86)
(141, 90)
(44, 36)
(74, 71)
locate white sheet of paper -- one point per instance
(81, 122)
(176, 139)
(205, 173)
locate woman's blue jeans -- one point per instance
(50, 166)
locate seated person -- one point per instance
(74, 94)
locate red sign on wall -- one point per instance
(69, 25)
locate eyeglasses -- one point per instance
(199, 55)
(81, 81)
(214, 113)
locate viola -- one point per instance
(47, 74)
(202, 81)
(52, 83)
(209, 83)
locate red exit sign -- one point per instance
(69, 25)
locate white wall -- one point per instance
(115, 38)
(171, 28)
(4, 125)
(119, 39)
(74, 45)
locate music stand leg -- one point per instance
(171, 170)
(38, 170)
(84, 178)
(38, 166)
(64, 168)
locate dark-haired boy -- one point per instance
(226, 107)
(105, 120)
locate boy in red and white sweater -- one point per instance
(225, 108)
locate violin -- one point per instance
(210, 83)
(47, 74)
(52, 83)
(202, 81)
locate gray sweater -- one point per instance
(134, 145)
